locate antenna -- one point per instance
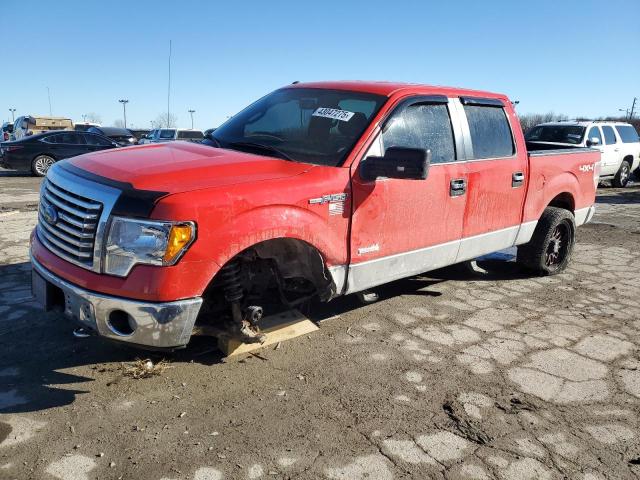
(49, 96)
(169, 87)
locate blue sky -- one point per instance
(567, 56)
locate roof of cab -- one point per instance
(389, 88)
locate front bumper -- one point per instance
(146, 324)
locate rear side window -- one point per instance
(165, 134)
(594, 132)
(627, 134)
(490, 131)
(68, 138)
(609, 135)
(424, 126)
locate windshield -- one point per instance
(556, 133)
(301, 124)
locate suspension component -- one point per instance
(245, 325)
(230, 274)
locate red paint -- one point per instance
(238, 199)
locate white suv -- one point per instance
(161, 135)
(618, 142)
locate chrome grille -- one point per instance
(73, 234)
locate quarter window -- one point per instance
(594, 132)
(425, 126)
(627, 134)
(490, 132)
(609, 135)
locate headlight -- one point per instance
(147, 242)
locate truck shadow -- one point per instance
(41, 361)
(619, 196)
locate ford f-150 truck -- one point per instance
(314, 191)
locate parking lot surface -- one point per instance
(451, 375)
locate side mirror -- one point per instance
(593, 142)
(398, 162)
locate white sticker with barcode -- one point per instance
(342, 115)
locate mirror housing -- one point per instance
(593, 142)
(398, 162)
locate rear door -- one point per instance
(611, 158)
(68, 144)
(404, 227)
(497, 173)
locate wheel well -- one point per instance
(564, 200)
(298, 259)
(285, 263)
(629, 159)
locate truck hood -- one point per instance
(176, 167)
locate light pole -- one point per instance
(625, 110)
(124, 102)
(13, 114)
(191, 112)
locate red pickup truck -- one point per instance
(315, 190)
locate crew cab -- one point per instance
(618, 143)
(314, 191)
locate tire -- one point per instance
(622, 177)
(551, 246)
(41, 164)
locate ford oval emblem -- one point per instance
(50, 215)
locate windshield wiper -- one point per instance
(260, 146)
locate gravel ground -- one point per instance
(451, 375)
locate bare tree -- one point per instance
(161, 121)
(530, 120)
(92, 117)
(118, 123)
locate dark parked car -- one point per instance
(38, 152)
(7, 130)
(122, 136)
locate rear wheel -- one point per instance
(622, 177)
(41, 164)
(550, 248)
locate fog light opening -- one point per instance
(121, 323)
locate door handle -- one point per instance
(517, 179)
(458, 186)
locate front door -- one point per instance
(496, 171)
(403, 227)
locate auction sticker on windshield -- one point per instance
(334, 113)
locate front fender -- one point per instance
(271, 222)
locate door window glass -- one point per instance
(69, 138)
(96, 140)
(490, 132)
(425, 126)
(609, 135)
(594, 132)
